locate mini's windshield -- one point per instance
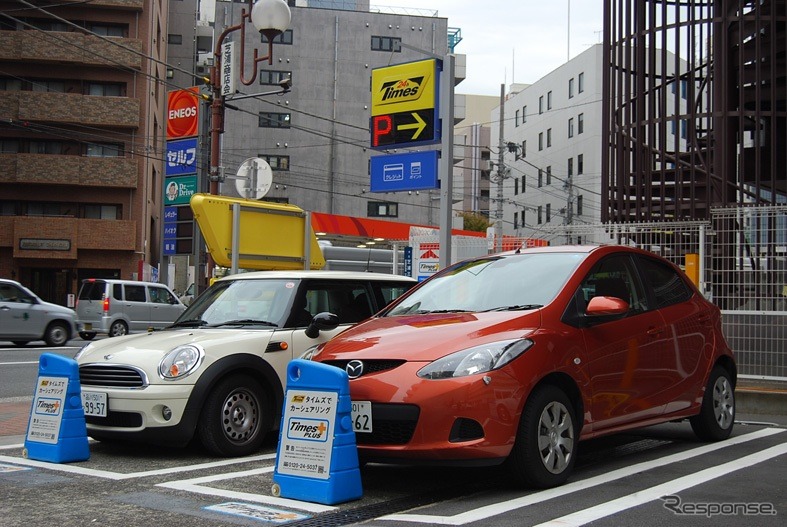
(250, 303)
(496, 283)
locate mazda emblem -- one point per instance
(354, 369)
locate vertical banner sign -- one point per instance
(228, 69)
(181, 157)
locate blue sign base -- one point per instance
(344, 479)
(57, 432)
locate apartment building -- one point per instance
(82, 99)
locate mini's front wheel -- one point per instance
(236, 417)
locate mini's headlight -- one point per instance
(82, 351)
(181, 361)
(478, 359)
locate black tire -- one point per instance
(717, 413)
(236, 417)
(20, 342)
(118, 329)
(87, 335)
(546, 443)
(56, 334)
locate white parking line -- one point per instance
(17, 363)
(117, 476)
(669, 488)
(482, 513)
(194, 485)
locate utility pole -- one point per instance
(500, 174)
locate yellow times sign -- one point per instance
(404, 87)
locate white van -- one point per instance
(118, 307)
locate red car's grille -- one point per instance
(392, 424)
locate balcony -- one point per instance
(83, 171)
(69, 108)
(69, 48)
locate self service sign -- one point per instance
(405, 108)
(408, 171)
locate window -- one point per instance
(281, 38)
(276, 162)
(516, 220)
(579, 205)
(49, 86)
(379, 209)
(273, 77)
(570, 166)
(524, 148)
(540, 141)
(161, 295)
(104, 150)
(516, 118)
(581, 82)
(570, 87)
(571, 127)
(549, 100)
(666, 283)
(523, 184)
(10, 85)
(106, 89)
(580, 123)
(549, 137)
(539, 215)
(109, 30)
(135, 293)
(387, 44)
(175, 39)
(540, 178)
(523, 218)
(101, 212)
(549, 175)
(541, 104)
(580, 163)
(516, 187)
(524, 114)
(45, 147)
(549, 212)
(9, 146)
(274, 120)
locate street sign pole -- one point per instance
(446, 166)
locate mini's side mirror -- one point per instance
(324, 321)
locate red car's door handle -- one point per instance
(655, 332)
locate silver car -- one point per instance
(24, 317)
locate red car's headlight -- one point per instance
(478, 359)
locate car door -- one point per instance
(164, 306)
(623, 355)
(20, 313)
(689, 323)
(136, 306)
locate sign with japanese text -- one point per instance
(307, 437)
(181, 157)
(47, 411)
(408, 171)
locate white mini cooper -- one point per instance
(219, 372)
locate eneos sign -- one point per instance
(183, 113)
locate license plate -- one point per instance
(362, 416)
(88, 326)
(94, 404)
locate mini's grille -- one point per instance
(109, 375)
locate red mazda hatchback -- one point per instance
(513, 358)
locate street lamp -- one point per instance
(271, 18)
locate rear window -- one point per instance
(92, 291)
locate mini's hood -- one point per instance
(428, 337)
(145, 349)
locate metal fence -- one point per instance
(742, 268)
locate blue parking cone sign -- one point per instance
(317, 458)
(56, 431)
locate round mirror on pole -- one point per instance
(254, 178)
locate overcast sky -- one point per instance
(515, 40)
